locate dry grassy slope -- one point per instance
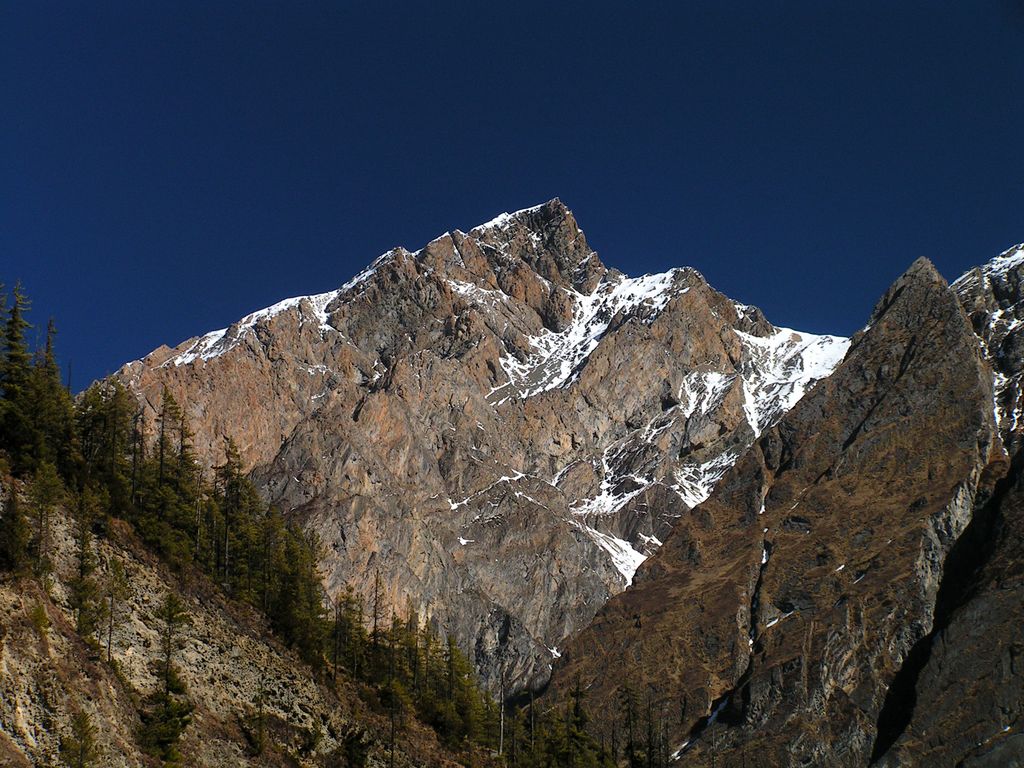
(796, 615)
(47, 675)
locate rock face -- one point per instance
(993, 297)
(777, 614)
(961, 694)
(499, 425)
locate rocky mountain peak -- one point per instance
(547, 239)
(645, 488)
(921, 275)
(497, 423)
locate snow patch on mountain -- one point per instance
(1000, 265)
(696, 480)
(368, 272)
(475, 293)
(775, 372)
(625, 559)
(778, 369)
(206, 347)
(556, 356)
(702, 391)
(216, 343)
(502, 220)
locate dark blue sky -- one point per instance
(166, 168)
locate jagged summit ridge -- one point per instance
(216, 343)
(502, 220)
(552, 357)
(534, 221)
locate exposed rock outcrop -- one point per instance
(993, 297)
(960, 697)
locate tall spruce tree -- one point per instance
(167, 712)
(86, 592)
(116, 591)
(173, 616)
(80, 748)
(52, 413)
(103, 419)
(15, 536)
(46, 492)
(17, 431)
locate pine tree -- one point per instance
(116, 591)
(46, 492)
(15, 536)
(17, 433)
(86, 597)
(103, 420)
(173, 615)
(80, 748)
(167, 491)
(244, 552)
(297, 611)
(52, 413)
(168, 712)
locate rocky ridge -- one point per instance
(498, 424)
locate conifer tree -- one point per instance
(116, 591)
(168, 712)
(105, 435)
(17, 434)
(173, 616)
(46, 492)
(86, 597)
(15, 536)
(52, 413)
(298, 609)
(80, 748)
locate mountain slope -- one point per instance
(777, 614)
(499, 425)
(961, 690)
(232, 668)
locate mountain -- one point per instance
(851, 592)
(497, 425)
